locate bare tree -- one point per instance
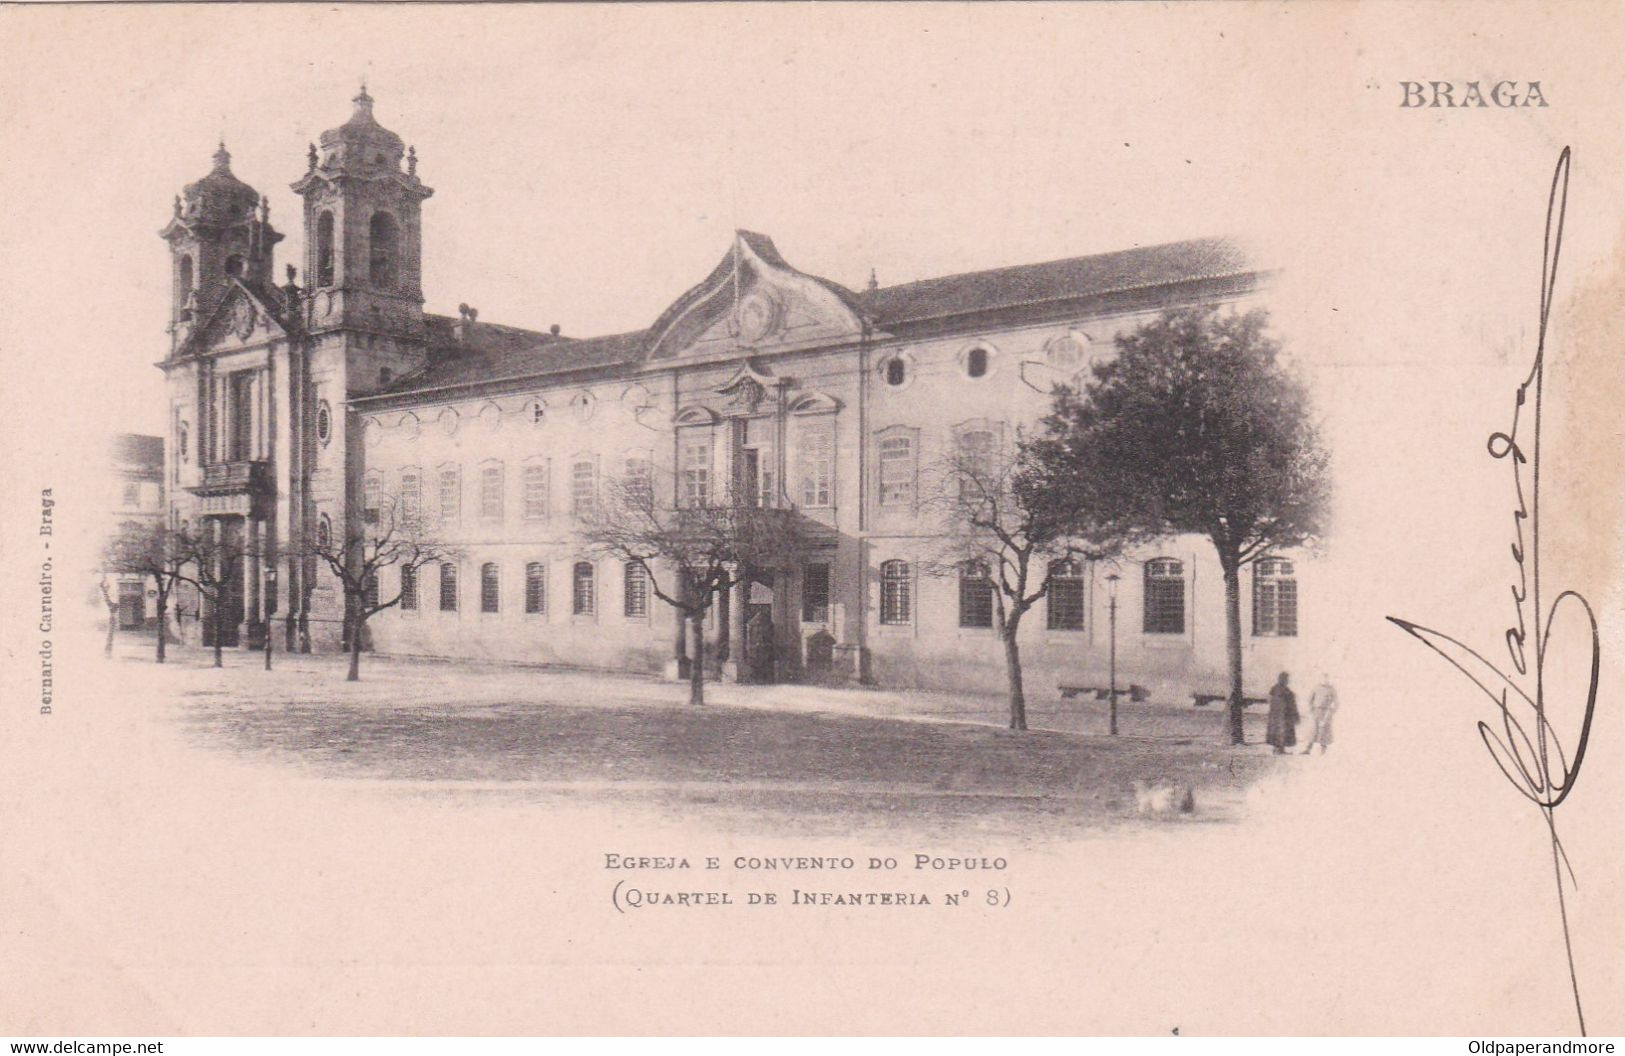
(216, 559)
(997, 522)
(150, 551)
(392, 535)
(692, 553)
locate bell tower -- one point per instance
(363, 230)
(221, 230)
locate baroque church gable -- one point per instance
(241, 320)
(755, 303)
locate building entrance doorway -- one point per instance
(761, 656)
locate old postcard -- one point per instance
(801, 519)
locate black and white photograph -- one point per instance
(955, 520)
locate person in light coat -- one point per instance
(1322, 706)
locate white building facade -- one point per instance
(294, 407)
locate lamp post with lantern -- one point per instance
(1111, 688)
(268, 592)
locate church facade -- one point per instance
(296, 411)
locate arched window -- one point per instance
(409, 588)
(183, 282)
(383, 236)
(976, 362)
(535, 588)
(324, 249)
(899, 465)
(1164, 596)
(1066, 596)
(448, 587)
(583, 601)
(975, 595)
(637, 591)
(490, 588)
(896, 593)
(1275, 599)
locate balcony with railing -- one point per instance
(250, 477)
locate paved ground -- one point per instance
(814, 758)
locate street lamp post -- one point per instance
(1111, 690)
(268, 592)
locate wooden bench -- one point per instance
(1202, 700)
(1137, 694)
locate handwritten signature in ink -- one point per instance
(1520, 739)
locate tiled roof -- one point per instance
(138, 449)
(1056, 280)
(497, 353)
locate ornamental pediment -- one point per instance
(753, 303)
(240, 321)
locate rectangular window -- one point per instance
(490, 588)
(411, 500)
(491, 493)
(535, 588)
(448, 587)
(583, 598)
(1275, 599)
(132, 495)
(639, 483)
(370, 499)
(451, 496)
(697, 467)
(584, 490)
(637, 591)
(897, 471)
(815, 594)
(977, 466)
(1066, 598)
(817, 462)
(241, 410)
(975, 597)
(536, 487)
(896, 593)
(1164, 597)
(409, 588)
(369, 591)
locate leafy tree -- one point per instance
(1195, 426)
(392, 535)
(692, 553)
(997, 518)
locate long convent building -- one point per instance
(294, 406)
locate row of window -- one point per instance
(534, 495)
(583, 588)
(1065, 352)
(1275, 596)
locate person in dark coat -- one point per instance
(1283, 723)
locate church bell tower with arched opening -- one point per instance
(364, 240)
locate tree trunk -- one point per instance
(1012, 664)
(724, 620)
(1232, 620)
(355, 650)
(112, 626)
(696, 664)
(163, 623)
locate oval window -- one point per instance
(324, 423)
(896, 372)
(976, 363)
